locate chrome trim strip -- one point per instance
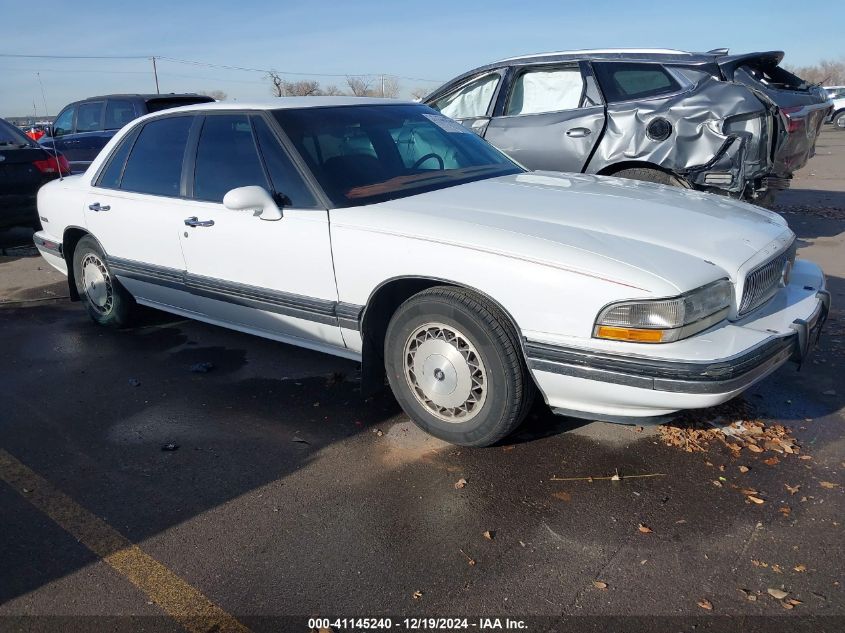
(663, 375)
(299, 306)
(45, 246)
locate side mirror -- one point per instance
(254, 199)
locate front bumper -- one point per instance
(611, 383)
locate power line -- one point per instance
(222, 66)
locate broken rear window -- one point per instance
(622, 81)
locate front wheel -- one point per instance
(455, 366)
(839, 121)
(107, 301)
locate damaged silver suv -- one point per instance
(650, 114)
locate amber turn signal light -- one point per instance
(629, 334)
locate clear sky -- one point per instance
(430, 39)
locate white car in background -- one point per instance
(837, 95)
(385, 232)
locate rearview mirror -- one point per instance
(254, 199)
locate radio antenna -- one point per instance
(47, 116)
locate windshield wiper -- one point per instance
(403, 182)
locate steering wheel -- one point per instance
(422, 159)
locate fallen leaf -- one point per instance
(778, 594)
(805, 457)
(717, 483)
(793, 601)
(417, 595)
(644, 529)
(748, 491)
(754, 448)
(754, 499)
(490, 535)
(563, 496)
(828, 484)
(461, 483)
(800, 568)
(786, 605)
(704, 603)
(748, 595)
(771, 461)
(792, 489)
(598, 584)
(784, 510)
(744, 469)
(777, 569)
(680, 521)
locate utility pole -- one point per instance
(382, 86)
(155, 74)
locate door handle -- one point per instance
(578, 132)
(194, 221)
(97, 207)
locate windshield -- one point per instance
(372, 153)
(12, 136)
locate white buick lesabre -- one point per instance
(384, 232)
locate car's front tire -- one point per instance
(839, 121)
(107, 301)
(454, 364)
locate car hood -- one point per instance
(649, 236)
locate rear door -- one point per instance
(135, 210)
(552, 118)
(89, 137)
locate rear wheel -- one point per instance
(107, 301)
(839, 121)
(651, 175)
(455, 366)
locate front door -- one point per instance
(271, 277)
(135, 212)
(551, 119)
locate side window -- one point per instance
(471, 101)
(64, 122)
(627, 81)
(226, 157)
(118, 113)
(283, 174)
(155, 164)
(543, 90)
(110, 178)
(89, 116)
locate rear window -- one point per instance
(155, 164)
(626, 81)
(774, 76)
(156, 105)
(10, 135)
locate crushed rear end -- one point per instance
(800, 108)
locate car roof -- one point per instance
(147, 96)
(625, 53)
(286, 103)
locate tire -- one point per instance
(838, 120)
(107, 301)
(651, 175)
(449, 337)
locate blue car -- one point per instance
(84, 127)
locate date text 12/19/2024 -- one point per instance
(416, 624)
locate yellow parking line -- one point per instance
(175, 596)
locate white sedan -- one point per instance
(384, 232)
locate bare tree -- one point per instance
(419, 93)
(278, 88)
(302, 88)
(332, 91)
(359, 86)
(389, 86)
(827, 72)
(218, 95)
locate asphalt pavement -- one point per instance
(178, 475)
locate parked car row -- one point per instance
(837, 95)
(388, 233)
(735, 124)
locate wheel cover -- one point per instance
(445, 372)
(840, 121)
(97, 283)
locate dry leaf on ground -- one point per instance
(644, 529)
(792, 489)
(490, 535)
(800, 568)
(778, 594)
(744, 469)
(461, 483)
(828, 484)
(704, 603)
(417, 595)
(598, 584)
(754, 499)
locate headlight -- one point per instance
(665, 320)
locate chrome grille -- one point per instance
(763, 282)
